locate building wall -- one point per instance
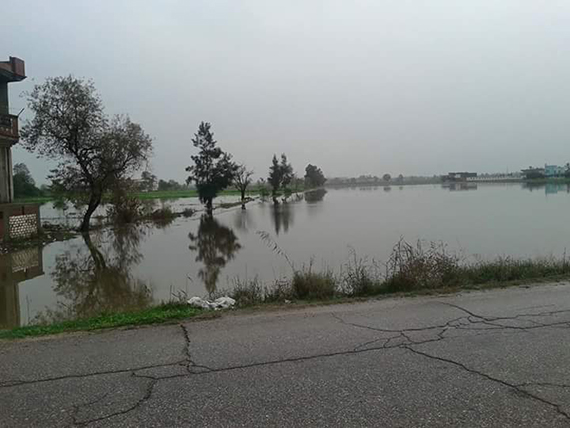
(553, 170)
(4, 97)
(6, 190)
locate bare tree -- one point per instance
(242, 180)
(94, 152)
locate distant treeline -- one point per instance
(385, 180)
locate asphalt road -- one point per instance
(484, 359)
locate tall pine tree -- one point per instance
(213, 169)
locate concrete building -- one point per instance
(16, 220)
(12, 70)
(554, 170)
(458, 176)
(532, 173)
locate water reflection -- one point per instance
(94, 278)
(549, 188)
(282, 217)
(458, 187)
(216, 246)
(243, 220)
(16, 267)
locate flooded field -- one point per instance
(139, 265)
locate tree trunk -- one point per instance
(243, 199)
(94, 202)
(209, 206)
(97, 256)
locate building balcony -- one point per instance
(9, 128)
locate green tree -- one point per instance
(94, 152)
(148, 181)
(213, 169)
(24, 184)
(314, 177)
(386, 177)
(169, 185)
(280, 175)
(286, 171)
(274, 178)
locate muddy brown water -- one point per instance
(136, 266)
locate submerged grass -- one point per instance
(157, 194)
(422, 268)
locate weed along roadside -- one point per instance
(419, 269)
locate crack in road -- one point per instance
(471, 318)
(518, 388)
(192, 367)
(397, 339)
(147, 395)
(13, 383)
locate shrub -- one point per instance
(163, 217)
(164, 213)
(359, 278)
(187, 212)
(280, 291)
(248, 292)
(308, 285)
(419, 267)
(124, 206)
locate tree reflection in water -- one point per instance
(96, 279)
(282, 216)
(216, 246)
(243, 220)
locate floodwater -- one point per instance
(139, 265)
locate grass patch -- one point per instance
(34, 200)
(155, 315)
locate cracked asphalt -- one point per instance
(486, 359)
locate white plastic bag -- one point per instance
(220, 303)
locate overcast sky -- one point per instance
(356, 87)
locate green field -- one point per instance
(167, 194)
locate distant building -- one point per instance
(549, 171)
(531, 173)
(554, 171)
(459, 176)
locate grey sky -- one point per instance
(412, 87)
